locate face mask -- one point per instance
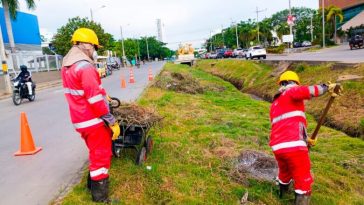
(94, 56)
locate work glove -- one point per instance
(331, 89)
(311, 142)
(115, 128)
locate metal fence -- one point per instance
(35, 63)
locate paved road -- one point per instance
(340, 53)
(37, 179)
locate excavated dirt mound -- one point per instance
(132, 114)
(179, 82)
(253, 164)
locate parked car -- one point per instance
(213, 56)
(220, 53)
(238, 53)
(297, 45)
(256, 52)
(306, 44)
(228, 54)
(356, 42)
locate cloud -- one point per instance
(187, 20)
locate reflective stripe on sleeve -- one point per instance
(283, 145)
(73, 92)
(88, 123)
(289, 115)
(95, 99)
(81, 65)
(98, 172)
(312, 90)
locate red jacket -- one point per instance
(288, 120)
(85, 95)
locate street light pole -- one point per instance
(323, 24)
(258, 11)
(92, 13)
(122, 45)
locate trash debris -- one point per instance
(253, 164)
(149, 167)
(133, 114)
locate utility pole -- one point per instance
(122, 45)
(290, 14)
(259, 11)
(323, 24)
(223, 37)
(236, 34)
(210, 41)
(4, 64)
(92, 16)
(146, 40)
(311, 28)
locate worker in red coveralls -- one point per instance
(288, 137)
(89, 109)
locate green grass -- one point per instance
(201, 136)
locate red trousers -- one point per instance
(98, 142)
(295, 166)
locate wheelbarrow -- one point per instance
(134, 137)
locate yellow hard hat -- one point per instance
(85, 35)
(289, 76)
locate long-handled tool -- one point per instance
(328, 105)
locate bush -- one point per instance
(276, 50)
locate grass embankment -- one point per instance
(347, 112)
(202, 135)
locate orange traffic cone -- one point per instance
(150, 74)
(131, 80)
(27, 146)
(123, 83)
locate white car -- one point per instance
(306, 44)
(238, 53)
(256, 52)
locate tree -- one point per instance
(332, 13)
(62, 40)
(10, 7)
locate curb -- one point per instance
(40, 86)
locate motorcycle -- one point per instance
(20, 91)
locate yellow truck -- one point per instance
(185, 54)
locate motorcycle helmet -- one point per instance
(23, 68)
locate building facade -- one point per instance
(25, 31)
(351, 8)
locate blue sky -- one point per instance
(183, 20)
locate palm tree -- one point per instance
(334, 12)
(10, 7)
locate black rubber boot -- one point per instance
(283, 189)
(89, 181)
(301, 199)
(100, 190)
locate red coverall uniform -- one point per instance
(86, 99)
(288, 136)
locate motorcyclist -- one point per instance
(25, 76)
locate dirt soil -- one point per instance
(179, 82)
(253, 164)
